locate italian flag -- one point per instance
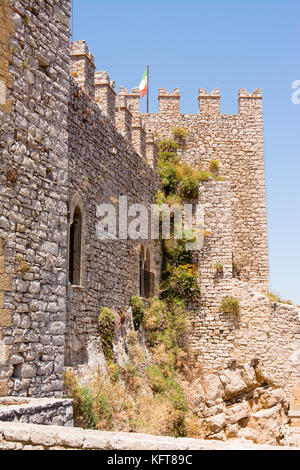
(144, 84)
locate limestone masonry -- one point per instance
(35, 437)
(69, 142)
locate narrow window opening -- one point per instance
(44, 68)
(75, 249)
(148, 277)
(141, 270)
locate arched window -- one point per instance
(75, 248)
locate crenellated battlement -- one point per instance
(168, 103)
(123, 115)
(83, 67)
(139, 136)
(209, 103)
(133, 99)
(250, 103)
(105, 95)
(123, 108)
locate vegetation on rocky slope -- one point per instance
(147, 394)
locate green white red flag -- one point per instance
(144, 84)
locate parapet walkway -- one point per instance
(22, 436)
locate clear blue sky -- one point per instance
(229, 44)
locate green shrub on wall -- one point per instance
(168, 145)
(189, 187)
(179, 134)
(230, 305)
(276, 298)
(138, 311)
(107, 322)
(182, 282)
(214, 166)
(204, 176)
(169, 176)
(219, 268)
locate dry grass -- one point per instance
(130, 405)
(276, 298)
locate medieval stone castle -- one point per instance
(67, 143)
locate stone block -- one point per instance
(4, 353)
(212, 387)
(3, 388)
(272, 398)
(5, 317)
(234, 385)
(216, 423)
(5, 282)
(248, 375)
(267, 424)
(43, 435)
(1, 264)
(232, 431)
(70, 438)
(295, 422)
(17, 433)
(96, 441)
(295, 398)
(237, 412)
(2, 92)
(25, 370)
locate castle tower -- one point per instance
(236, 141)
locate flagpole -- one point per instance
(147, 88)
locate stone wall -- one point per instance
(270, 332)
(19, 436)
(46, 411)
(265, 331)
(237, 142)
(33, 190)
(209, 331)
(105, 164)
